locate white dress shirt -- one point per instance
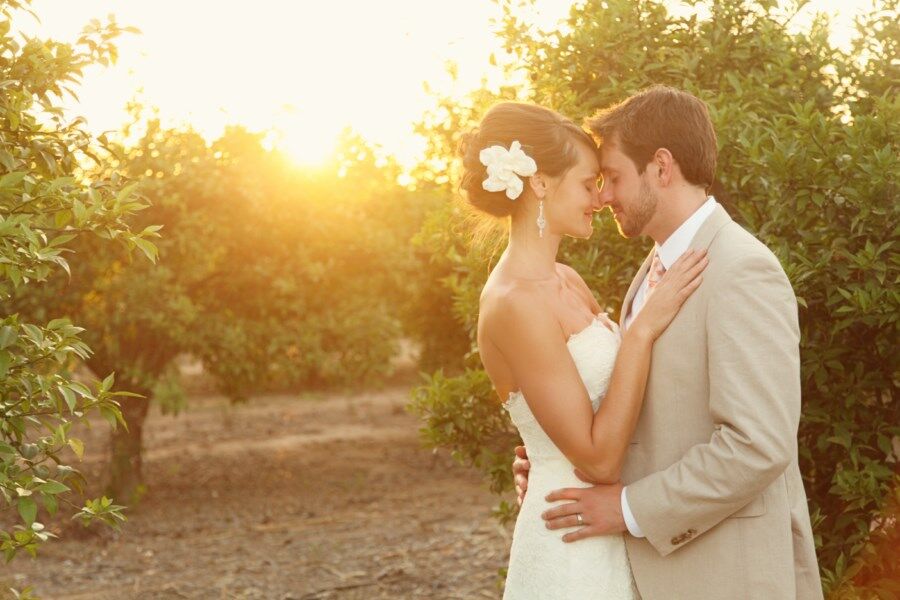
(669, 251)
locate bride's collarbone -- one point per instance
(557, 296)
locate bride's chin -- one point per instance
(581, 233)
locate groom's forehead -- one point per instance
(608, 157)
(611, 156)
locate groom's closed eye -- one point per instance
(608, 177)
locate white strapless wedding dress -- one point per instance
(541, 565)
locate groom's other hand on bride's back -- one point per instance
(520, 468)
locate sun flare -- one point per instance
(303, 71)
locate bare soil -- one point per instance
(284, 497)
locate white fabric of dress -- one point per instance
(541, 565)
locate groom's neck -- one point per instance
(673, 211)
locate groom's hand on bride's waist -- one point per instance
(520, 469)
(599, 507)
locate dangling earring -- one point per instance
(541, 221)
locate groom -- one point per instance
(713, 502)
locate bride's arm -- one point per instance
(529, 337)
(534, 347)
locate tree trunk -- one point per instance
(126, 484)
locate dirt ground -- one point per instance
(284, 498)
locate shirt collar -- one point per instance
(678, 243)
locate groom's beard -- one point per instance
(635, 219)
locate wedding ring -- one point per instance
(578, 517)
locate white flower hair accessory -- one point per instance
(505, 169)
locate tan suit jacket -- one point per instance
(712, 475)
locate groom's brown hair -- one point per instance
(662, 117)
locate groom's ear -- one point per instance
(664, 164)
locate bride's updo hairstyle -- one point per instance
(546, 136)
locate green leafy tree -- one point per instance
(47, 204)
(274, 277)
(808, 161)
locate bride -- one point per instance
(550, 351)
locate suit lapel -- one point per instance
(633, 288)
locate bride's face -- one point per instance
(575, 197)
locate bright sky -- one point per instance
(305, 69)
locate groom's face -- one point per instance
(627, 193)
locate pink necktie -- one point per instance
(657, 270)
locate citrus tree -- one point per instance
(48, 203)
(275, 277)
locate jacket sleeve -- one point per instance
(754, 401)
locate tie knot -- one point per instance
(657, 270)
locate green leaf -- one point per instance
(60, 182)
(5, 360)
(80, 389)
(50, 503)
(27, 510)
(57, 324)
(108, 382)
(53, 487)
(8, 336)
(110, 415)
(62, 218)
(12, 179)
(126, 191)
(69, 397)
(34, 333)
(77, 447)
(148, 248)
(79, 210)
(62, 239)
(7, 160)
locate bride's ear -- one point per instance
(538, 184)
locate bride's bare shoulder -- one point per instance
(506, 304)
(501, 296)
